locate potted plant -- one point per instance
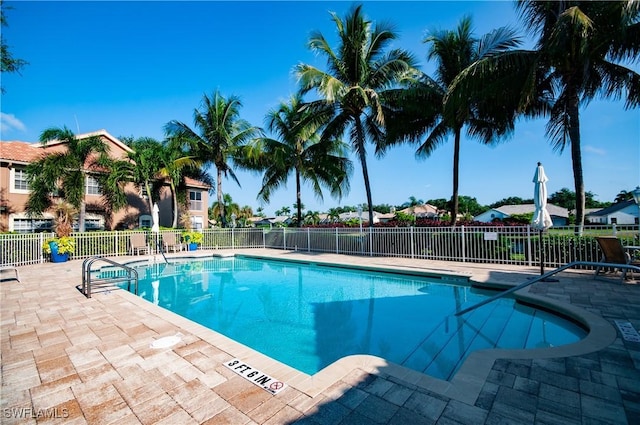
(63, 244)
(59, 248)
(192, 239)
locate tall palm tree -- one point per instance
(297, 150)
(65, 171)
(358, 72)
(579, 55)
(453, 51)
(217, 137)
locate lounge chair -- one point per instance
(138, 243)
(613, 253)
(11, 269)
(171, 243)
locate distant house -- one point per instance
(422, 211)
(273, 221)
(353, 215)
(621, 213)
(559, 215)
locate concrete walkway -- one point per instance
(69, 359)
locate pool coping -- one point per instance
(464, 386)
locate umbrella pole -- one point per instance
(541, 248)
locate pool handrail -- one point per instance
(545, 276)
(132, 274)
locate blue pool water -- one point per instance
(308, 316)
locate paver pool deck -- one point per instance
(71, 359)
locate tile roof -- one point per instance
(20, 151)
(25, 152)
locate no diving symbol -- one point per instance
(276, 385)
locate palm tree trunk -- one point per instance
(174, 199)
(298, 198)
(456, 167)
(223, 221)
(576, 160)
(365, 172)
(81, 215)
(147, 189)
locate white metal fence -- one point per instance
(497, 245)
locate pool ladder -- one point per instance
(130, 275)
(545, 276)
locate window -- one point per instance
(195, 200)
(19, 183)
(28, 225)
(145, 221)
(614, 220)
(196, 222)
(93, 188)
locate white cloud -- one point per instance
(9, 123)
(597, 151)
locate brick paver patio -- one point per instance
(69, 359)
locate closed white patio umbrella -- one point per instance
(155, 228)
(155, 219)
(541, 220)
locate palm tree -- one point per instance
(297, 150)
(64, 172)
(413, 201)
(244, 214)
(453, 52)
(150, 166)
(141, 168)
(217, 137)
(284, 211)
(226, 204)
(577, 57)
(7, 62)
(333, 214)
(359, 72)
(312, 217)
(175, 166)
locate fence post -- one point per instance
(337, 241)
(284, 238)
(308, 240)
(264, 238)
(463, 243)
(412, 247)
(41, 240)
(530, 253)
(615, 229)
(370, 241)
(233, 241)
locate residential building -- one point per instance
(621, 213)
(14, 192)
(423, 211)
(559, 215)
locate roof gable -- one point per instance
(613, 208)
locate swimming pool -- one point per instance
(308, 316)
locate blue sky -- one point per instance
(131, 67)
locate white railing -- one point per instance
(495, 245)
